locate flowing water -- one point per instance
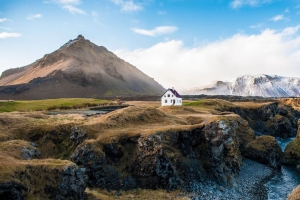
(285, 180)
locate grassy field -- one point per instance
(50, 104)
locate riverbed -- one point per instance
(285, 180)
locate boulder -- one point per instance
(221, 155)
(98, 169)
(77, 136)
(266, 112)
(152, 167)
(292, 152)
(73, 184)
(12, 190)
(265, 150)
(280, 126)
(30, 152)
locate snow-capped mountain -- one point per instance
(252, 85)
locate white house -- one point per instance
(171, 97)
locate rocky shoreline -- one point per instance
(250, 184)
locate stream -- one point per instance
(285, 180)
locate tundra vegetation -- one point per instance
(140, 151)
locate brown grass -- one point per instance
(295, 195)
(251, 105)
(13, 148)
(294, 102)
(177, 110)
(153, 104)
(136, 194)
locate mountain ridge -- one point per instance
(252, 85)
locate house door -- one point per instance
(173, 101)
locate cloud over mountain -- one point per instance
(174, 64)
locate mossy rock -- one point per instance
(295, 195)
(292, 152)
(265, 150)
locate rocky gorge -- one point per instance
(202, 150)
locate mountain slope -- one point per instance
(253, 85)
(77, 69)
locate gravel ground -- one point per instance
(249, 185)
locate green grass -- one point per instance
(50, 104)
(195, 103)
(216, 104)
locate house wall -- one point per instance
(167, 97)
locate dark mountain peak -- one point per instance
(80, 37)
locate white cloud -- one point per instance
(173, 64)
(277, 18)
(35, 16)
(128, 5)
(255, 26)
(240, 3)
(70, 5)
(96, 17)
(134, 21)
(3, 19)
(69, 1)
(287, 10)
(160, 30)
(5, 35)
(73, 9)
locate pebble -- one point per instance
(249, 185)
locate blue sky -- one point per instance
(193, 41)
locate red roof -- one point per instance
(174, 92)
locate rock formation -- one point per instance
(273, 119)
(266, 150)
(214, 148)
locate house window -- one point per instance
(165, 96)
(168, 95)
(172, 95)
(166, 101)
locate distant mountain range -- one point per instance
(252, 85)
(77, 69)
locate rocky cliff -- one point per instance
(109, 152)
(275, 119)
(292, 151)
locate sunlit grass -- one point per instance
(50, 104)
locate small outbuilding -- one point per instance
(171, 97)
